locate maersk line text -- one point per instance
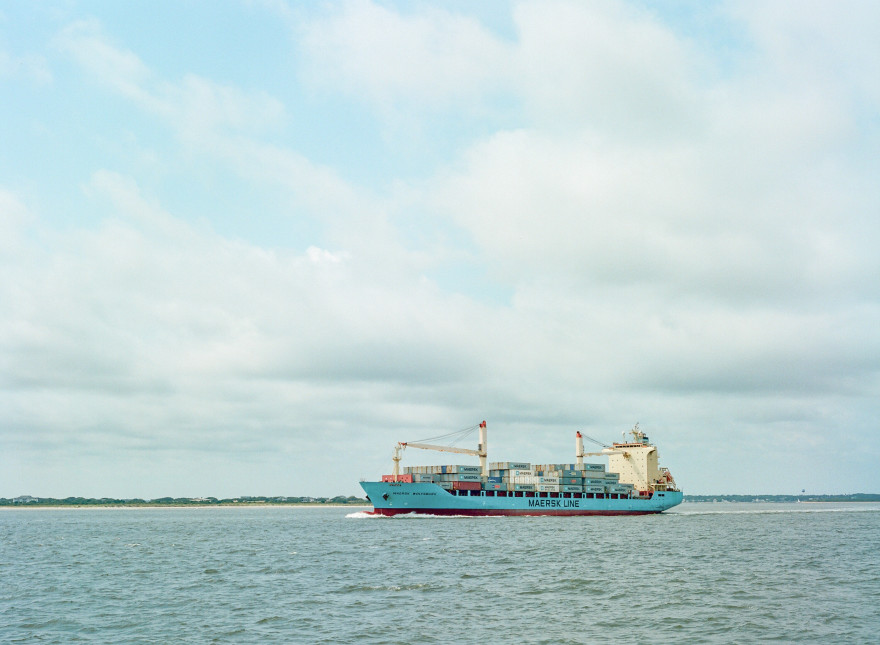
(555, 503)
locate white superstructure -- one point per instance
(636, 462)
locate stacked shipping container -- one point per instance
(519, 476)
(452, 477)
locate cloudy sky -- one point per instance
(247, 246)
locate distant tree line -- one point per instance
(27, 500)
(854, 497)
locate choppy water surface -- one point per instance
(715, 573)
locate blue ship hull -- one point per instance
(395, 498)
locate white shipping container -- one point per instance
(530, 479)
(548, 480)
(420, 477)
(547, 488)
(458, 469)
(510, 465)
(522, 472)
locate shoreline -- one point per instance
(786, 501)
(845, 501)
(57, 507)
(306, 505)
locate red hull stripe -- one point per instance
(479, 512)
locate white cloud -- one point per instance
(688, 244)
(118, 68)
(126, 198)
(318, 256)
(430, 58)
(199, 104)
(604, 65)
(164, 331)
(762, 197)
(832, 44)
(193, 105)
(31, 67)
(715, 252)
(225, 123)
(14, 218)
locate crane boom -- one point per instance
(603, 453)
(479, 452)
(428, 446)
(579, 449)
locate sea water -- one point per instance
(701, 573)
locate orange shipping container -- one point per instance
(408, 478)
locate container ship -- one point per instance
(633, 483)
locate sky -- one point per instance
(246, 247)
